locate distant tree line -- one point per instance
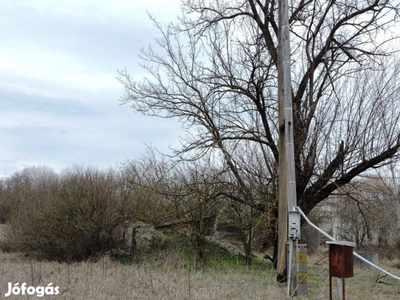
(82, 212)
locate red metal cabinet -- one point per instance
(341, 259)
(341, 263)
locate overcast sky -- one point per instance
(58, 92)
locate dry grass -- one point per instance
(109, 279)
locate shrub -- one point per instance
(77, 218)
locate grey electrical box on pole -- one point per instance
(294, 224)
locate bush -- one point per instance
(78, 217)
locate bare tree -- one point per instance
(184, 197)
(196, 203)
(368, 213)
(217, 72)
(145, 179)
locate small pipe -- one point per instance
(289, 275)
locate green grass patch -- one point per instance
(178, 251)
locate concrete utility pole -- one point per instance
(287, 235)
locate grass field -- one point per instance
(173, 278)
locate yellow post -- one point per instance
(302, 270)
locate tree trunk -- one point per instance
(133, 252)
